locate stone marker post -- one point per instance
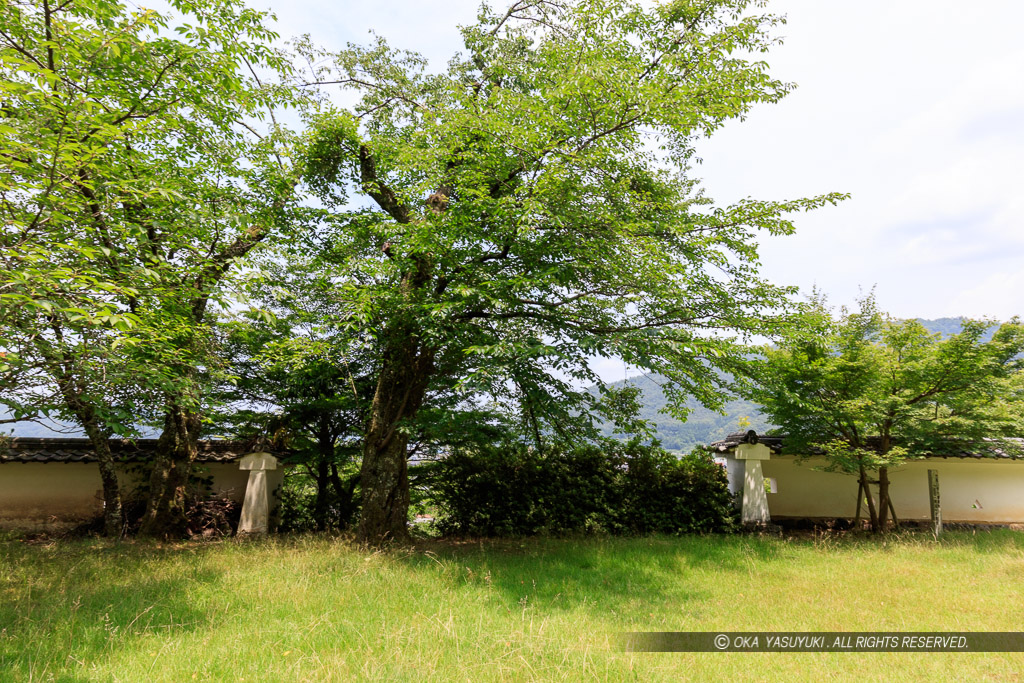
(745, 471)
(256, 506)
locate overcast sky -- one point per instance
(914, 107)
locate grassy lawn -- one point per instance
(308, 608)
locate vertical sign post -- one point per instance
(933, 497)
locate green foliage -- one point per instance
(871, 391)
(137, 168)
(515, 490)
(133, 175)
(532, 206)
(703, 426)
(292, 384)
(663, 493)
(333, 137)
(304, 508)
(615, 488)
(568, 224)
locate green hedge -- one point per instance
(613, 488)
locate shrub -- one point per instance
(662, 493)
(618, 488)
(298, 497)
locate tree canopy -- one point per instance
(133, 177)
(869, 391)
(533, 205)
(477, 234)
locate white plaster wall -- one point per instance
(227, 479)
(971, 490)
(40, 496)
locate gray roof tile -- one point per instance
(26, 449)
(975, 450)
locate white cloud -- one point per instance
(1000, 296)
(917, 110)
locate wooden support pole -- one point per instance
(892, 512)
(871, 502)
(933, 497)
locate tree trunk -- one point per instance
(401, 387)
(884, 504)
(883, 498)
(176, 451)
(322, 493)
(345, 494)
(385, 512)
(113, 514)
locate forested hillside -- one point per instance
(702, 426)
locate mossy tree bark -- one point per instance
(402, 385)
(177, 448)
(74, 391)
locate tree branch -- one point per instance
(378, 190)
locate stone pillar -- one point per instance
(754, 505)
(256, 506)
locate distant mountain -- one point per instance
(702, 426)
(944, 326)
(947, 327)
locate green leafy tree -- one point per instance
(533, 206)
(292, 380)
(869, 391)
(133, 178)
(299, 395)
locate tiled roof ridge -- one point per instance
(776, 442)
(66, 449)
